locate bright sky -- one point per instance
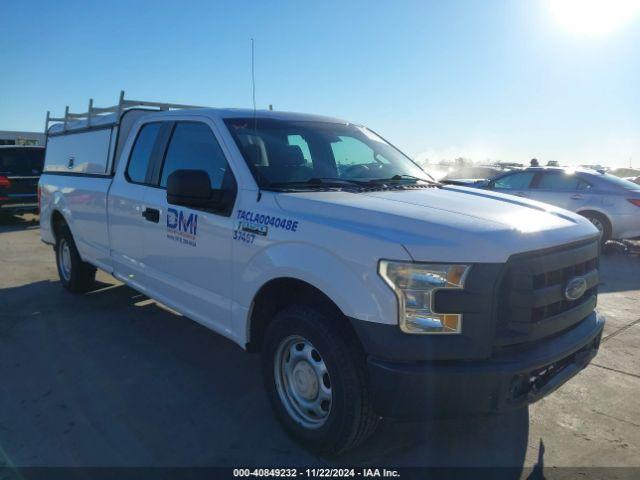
(482, 79)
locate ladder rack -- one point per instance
(96, 113)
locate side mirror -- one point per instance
(191, 188)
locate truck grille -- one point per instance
(532, 302)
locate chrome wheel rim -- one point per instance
(64, 259)
(303, 382)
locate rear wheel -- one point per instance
(315, 375)
(601, 223)
(75, 275)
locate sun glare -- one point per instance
(594, 17)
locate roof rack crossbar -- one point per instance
(162, 106)
(99, 112)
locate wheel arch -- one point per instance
(598, 213)
(586, 211)
(279, 293)
(59, 213)
(590, 209)
(354, 289)
(57, 222)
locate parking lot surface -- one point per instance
(111, 378)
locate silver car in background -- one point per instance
(611, 203)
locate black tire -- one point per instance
(602, 223)
(350, 419)
(75, 275)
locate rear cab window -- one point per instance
(139, 160)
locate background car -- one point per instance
(473, 175)
(611, 203)
(635, 180)
(20, 169)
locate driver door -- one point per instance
(187, 251)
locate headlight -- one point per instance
(415, 285)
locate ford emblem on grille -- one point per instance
(575, 288)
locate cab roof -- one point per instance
(225, 113)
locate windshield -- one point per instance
(298, 152)
(21, 161)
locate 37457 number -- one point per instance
(244, 237)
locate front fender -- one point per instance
(354, 286)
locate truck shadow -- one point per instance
(489, 441)
(111, 378)
(14, 223)
(619, 273)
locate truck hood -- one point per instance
(454, 224)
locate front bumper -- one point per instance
(512, 378)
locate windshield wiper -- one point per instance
(335, 180)
(321, 182)
(404, 176)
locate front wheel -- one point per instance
(75, 275)
(315, 375)
(601, 223)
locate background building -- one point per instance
(21, 138)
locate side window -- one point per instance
(141, 153)
(194, 147)
(558, 181)
(515, 181)
(582, 185)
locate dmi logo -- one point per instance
(182, 228)
(176, 221)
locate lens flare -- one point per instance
(594, 17)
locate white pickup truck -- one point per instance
(370, 289)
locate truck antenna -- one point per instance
(253, 79)
(253, 94)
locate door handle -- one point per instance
(577, 196)
(520, 194)
(151, 214)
